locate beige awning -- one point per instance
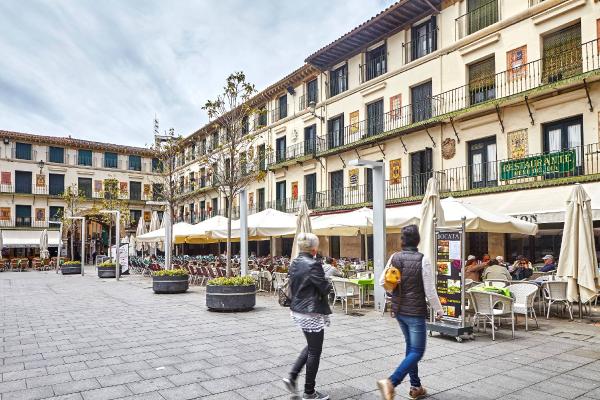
(27, 238)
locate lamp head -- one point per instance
(365, 163)
(311, 107)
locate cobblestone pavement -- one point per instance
(70, 337)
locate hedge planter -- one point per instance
(70, 269)
(107, 272)
(230, 298)
(170, 284)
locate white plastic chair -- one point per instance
(499, 283)
(345, 290)
(556, 292)
(525, 294)
(491, 307)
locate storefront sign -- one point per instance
(354, 121)
(4, 213)
(527, 217)
(559, 162)
(448, 265)
(353, 177)
(395, 171)
(516, 60)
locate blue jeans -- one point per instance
(415, 335)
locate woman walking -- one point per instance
(310, 311)
(410, 309)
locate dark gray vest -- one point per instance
(409, 296)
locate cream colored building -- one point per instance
(499, 99)
(35, 170)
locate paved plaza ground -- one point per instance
(68, 337)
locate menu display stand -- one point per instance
(450, 284)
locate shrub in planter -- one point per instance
(231, 294)
(107, 270)
(70, 267)
(170, 281)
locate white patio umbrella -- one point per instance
(303, 225)
(577, 262)
(180, 230)
(154, 225)
(266, 223)
(132, 244)
(141, 229)
(44, 245)
(349, 223)
(431, 207)
(160, 245)
(200, 232)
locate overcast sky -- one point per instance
(100, 70)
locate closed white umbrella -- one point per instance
(431, 207)
(1, 245)
(141, 229)
(132, 244)
(577, 262)
(44, 254)
(303, 225)
(161, 244)
(154, 225)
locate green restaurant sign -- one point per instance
(552, 163)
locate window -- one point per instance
(283, 106)
(260, 199)
(202, 149)
(192, 178)
(310, 190)
(22, 215)
(482, 81)
(55, 213)
(375, 118)
(421, 167)
(338, 80)
(423, 39)
(369, 184)
(157, 192)
(135, 163)
(375, 63)
(84, 186)
(337, 188)
(156, 165)
(202, 210)
(480, 14)
(192, 219)
(23, 182)
(215, 171)
(56, 184)
(111, 160)
(562, 54)
(335, 132)
(245, 125)
(262, 157)
(311, 92)
(334, 246)
(23, 151)
(134, 217)
(56, 155)
(310, 139)
(262, 117)
(135, 190)
(111, 188)
(565, 135)
(215, 206)
(280, 196)
(215, 140)
(84, 158)
(421, 102)
(280, 149)
(482, 163)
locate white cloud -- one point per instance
(101, 70)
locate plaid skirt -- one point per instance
(310, 322)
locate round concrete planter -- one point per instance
(170, 284)
(70, 269)
(230, 298)
(107, 272)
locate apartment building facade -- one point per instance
(498, 99)
(36, 170)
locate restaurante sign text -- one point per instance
(559, 162)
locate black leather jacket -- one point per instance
(309, 287)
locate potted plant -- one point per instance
(170, 281)
(107, 270)
(70, 267)
(231, 294)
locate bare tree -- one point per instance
(74, 200)
(112, 200)
(233, 164)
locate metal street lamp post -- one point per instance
(117, 240)
(244, 232)
(60, 232)
(82, 241)
(379, 237)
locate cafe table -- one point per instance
(364, 284)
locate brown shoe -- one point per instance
(417, 392)
(386, 388)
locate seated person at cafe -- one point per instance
(473, 269)
(501, 261)
(522, 269)
(549, 263)
(330, 268)
(486, 259)
(496, 271)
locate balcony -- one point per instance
(278, 114)
(477, 19)
(373, 68)
(578, 164)
(419, 47)
(578, 62)
(291, 153)
(306, 99)
(24, 222)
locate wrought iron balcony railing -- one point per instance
(477, 19)
(298, 150)
(373, 68)
(519, 79)
(419, 46)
